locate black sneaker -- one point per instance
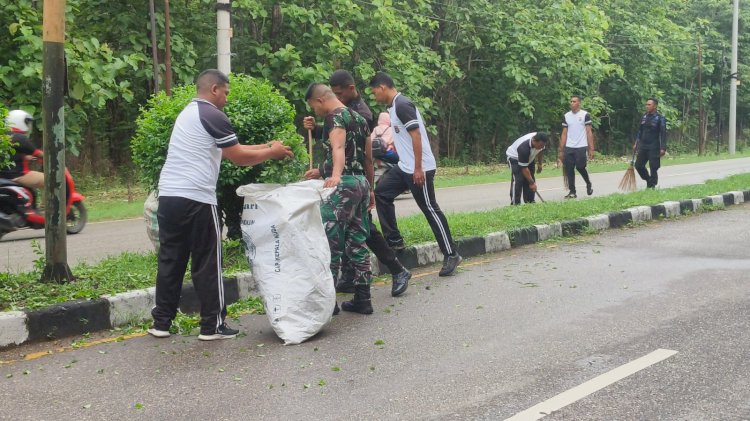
(571, 195)
(589, 189)
(336, 309)
(345, 286)
(450, 263)
(222, 332)
(400, 283)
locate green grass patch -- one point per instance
(415, 229)
(497, 173)
(125, 272)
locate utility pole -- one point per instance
(733, 81)
(154, 47)
(53, 118)
(224, 36)
(168, 48)
(701, 133)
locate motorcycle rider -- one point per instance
(20, 123)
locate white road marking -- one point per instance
(600, 382)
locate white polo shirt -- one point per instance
(576, 124)
(405, 117)
(194, 155)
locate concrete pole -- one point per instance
(224, 36)
(733, 81)
(56, 267)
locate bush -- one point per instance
(257, 112)
(6, 150)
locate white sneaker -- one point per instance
(158, 333)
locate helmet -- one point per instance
(19, 120)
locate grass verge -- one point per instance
(136, 271)
(497, 173)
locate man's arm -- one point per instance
(590, 140)
(416, 143)
(337, 136)
(563, 141)
(662, 135)
(247, 155)
(527, 175)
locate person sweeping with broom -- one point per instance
(651, 143)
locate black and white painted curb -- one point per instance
(79, 317)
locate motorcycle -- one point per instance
(18, 207)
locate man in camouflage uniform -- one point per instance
(348, 167)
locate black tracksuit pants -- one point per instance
(519, 185)
(394, 182)
(576, 159)
(377, 244)
(654, 160)
(189, 229)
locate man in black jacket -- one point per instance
(342, 84)
(651, 142)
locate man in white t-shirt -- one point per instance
(188, 218)
(576, 146)
(415, 171)
(522, 155)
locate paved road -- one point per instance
(111, 238)
(510, 331)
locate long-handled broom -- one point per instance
(310, 147)
(627, 183)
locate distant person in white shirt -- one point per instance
(576, 146)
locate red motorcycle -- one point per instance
(18, 207)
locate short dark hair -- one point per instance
(211, 77)
(576, 96)
(381, 78)
(541, 136)
(656, 101)
(317, 90)
(341, 78)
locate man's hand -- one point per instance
(372, 201)
(313, 174)
(532, 186)
(662, 152)
(332, 181)
(591, 154)
(539, 169)
(418, 177)
(308, 123)
(279, 151)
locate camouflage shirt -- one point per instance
(357, 132)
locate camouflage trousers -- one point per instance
(347, 226)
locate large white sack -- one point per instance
(288, 251)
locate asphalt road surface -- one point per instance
(99, 240)
(643, 323)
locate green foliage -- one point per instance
(6, 149)
(257, 112)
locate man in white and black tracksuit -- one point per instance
(188, 217)
(576, 146)
(521, 156)
(415, 171)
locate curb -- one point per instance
(109, 311)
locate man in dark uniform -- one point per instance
(651, 142)
(342, 85)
